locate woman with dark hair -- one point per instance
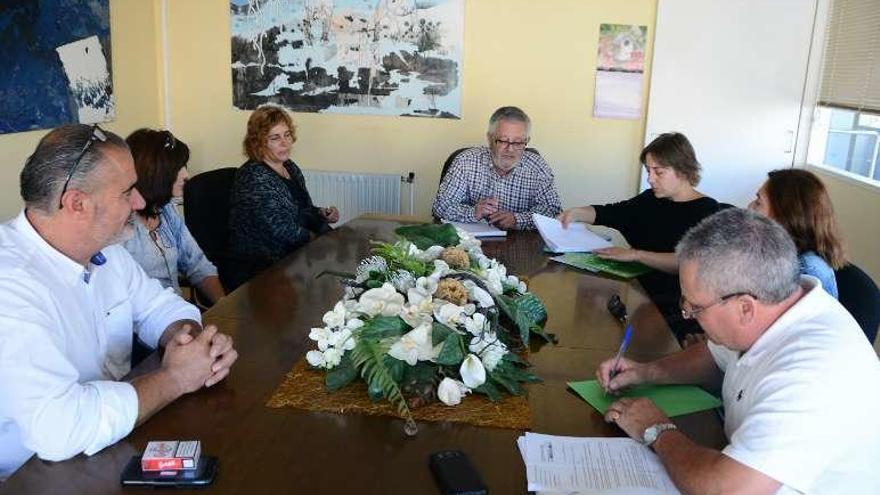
(162, 244)
(798, 200)
(271, 212)
(655, 220)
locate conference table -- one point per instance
(269, 450)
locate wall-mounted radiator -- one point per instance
(358, 193)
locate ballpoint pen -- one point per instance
(627, 336)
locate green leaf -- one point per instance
(439, 332)
(341, 375)
(510, 385)
(451, 353)
(396, 367)
(427, 235)
(527, 312)
(420, 373)
(373, 284)
(382, 327)
(490, 391)
(513, 358)
(369, 357)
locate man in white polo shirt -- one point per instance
(799, 380)
(70, 299)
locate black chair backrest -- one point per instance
(861, 297)
(448, 162)
(206, 208)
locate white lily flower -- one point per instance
(336, 317)
(450, 392)
(476, 293)
(332, 357)
(414, 346)
(315, 358)
(384, 300)
(473, 374)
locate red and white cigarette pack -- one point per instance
(171, 455)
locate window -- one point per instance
(845, 134)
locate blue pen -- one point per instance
(627, 336)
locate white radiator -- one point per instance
(358, 193)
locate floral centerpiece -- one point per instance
(429, 317)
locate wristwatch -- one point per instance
(653, 432)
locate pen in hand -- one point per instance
(627, 336)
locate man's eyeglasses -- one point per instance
(691, 313)
(96, 135)
(517, 145)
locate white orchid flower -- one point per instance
(450, 392)
(424, 289)
(449, 314)
(493, 282)
(385, 301)
(336, 317)
(476, 293)
(342, 339)
(441, 268)
(354, 324)
(473, 374)
(489, 348)
(416, 314)
(332, 357)
(321, 336)
(414, 346)
(315, 358)
(430, 254)
(477, 324)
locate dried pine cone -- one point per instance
(452, 290)
(456, 258)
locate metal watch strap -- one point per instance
(655, 431)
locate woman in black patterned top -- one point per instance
(271, 211)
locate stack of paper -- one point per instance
(576, 238)
(592, 465)
(479, 229)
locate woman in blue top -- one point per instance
(797, 199)
(162, 244)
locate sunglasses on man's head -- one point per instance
(97, 134)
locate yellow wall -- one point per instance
(856, 206)
(133, 26)
(537, 55)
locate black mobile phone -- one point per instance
(202, 475)
(455, 474)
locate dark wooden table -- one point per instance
(264, 450)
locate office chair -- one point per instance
(448, 163)
(861, 297)
(206, 208)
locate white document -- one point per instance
(576, 238)
(557, 464)
(479, 229)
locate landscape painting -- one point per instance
(380, 57)
(56, 64)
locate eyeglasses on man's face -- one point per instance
(690, 311)
(96, 135)
(516, 145)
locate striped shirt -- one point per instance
(528, 188)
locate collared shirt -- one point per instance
(173, 250)
(801, 404)
(64, 343)
(528, 188)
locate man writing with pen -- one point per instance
(799, 380)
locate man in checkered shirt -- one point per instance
(503, 183)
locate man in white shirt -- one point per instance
(799, 380)
(70, 299)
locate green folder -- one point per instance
(674, 400)
(593, 263)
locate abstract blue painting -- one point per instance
(55, 63)
(380, 57)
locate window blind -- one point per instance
(851, 62)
